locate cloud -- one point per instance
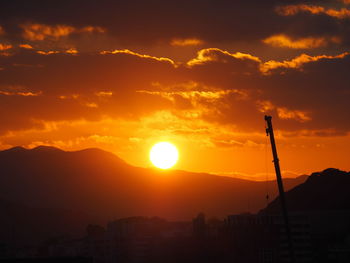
(104, 93)
(217, 55)
(40, 32)
(37, 32)
(50, 52)
(286, 114)
(25, 46)
(93, 29)
(190, 90)
(129, 52)
(290, 10)
(118, 26)
(5, 50)
(209, 95)
(72, 51)
(5, 47)
(249, 64)
(183, 42)
(218, 87)
(125, 76)
(298, 89)
(282, 40)
(296, 63)
(28, 93)
(161, 21)
(193, 100)
(74, 86)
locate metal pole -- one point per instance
(269, 131)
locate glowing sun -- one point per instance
(164, 155)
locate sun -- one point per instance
(164, 155)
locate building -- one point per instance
(142, 239)
(262, 238)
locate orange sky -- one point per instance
(123, 76)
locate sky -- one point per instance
(123, 75)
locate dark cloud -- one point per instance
(308, 92)
(151, 21)
(226, 88)
(319, 89)
(68, 87)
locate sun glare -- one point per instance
(164, 155)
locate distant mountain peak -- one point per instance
(43, 151)
(325, 190)
(41, 148)
(44, 148)
(16, 149)
(330, 172)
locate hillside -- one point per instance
(322, 191)
(59, 188)
(101, 184)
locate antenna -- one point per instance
(266, 172)
(269, 131)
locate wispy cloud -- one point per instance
(25, 46)
(129, 52)
(19, 91)
(70, 51)
(50, 52)
(285, 41)
(183, 42)
(36, 32)
(284, 113)
(290, 10)
(5, 47)
(40, 32)
(216, 54)
(287, 114)
(297, 62)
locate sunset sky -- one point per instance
(124, 75)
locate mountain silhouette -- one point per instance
(322, 191)
(95, 185)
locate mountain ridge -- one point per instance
(52, 186)
(48, 149)
(39, 176)
(326, 190)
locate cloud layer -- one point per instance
(119, 72)
(217, 84)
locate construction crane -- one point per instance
(269, 131)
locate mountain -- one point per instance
(55, 186)
(103, 185)
(322, 191)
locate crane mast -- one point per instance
(269, 132)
